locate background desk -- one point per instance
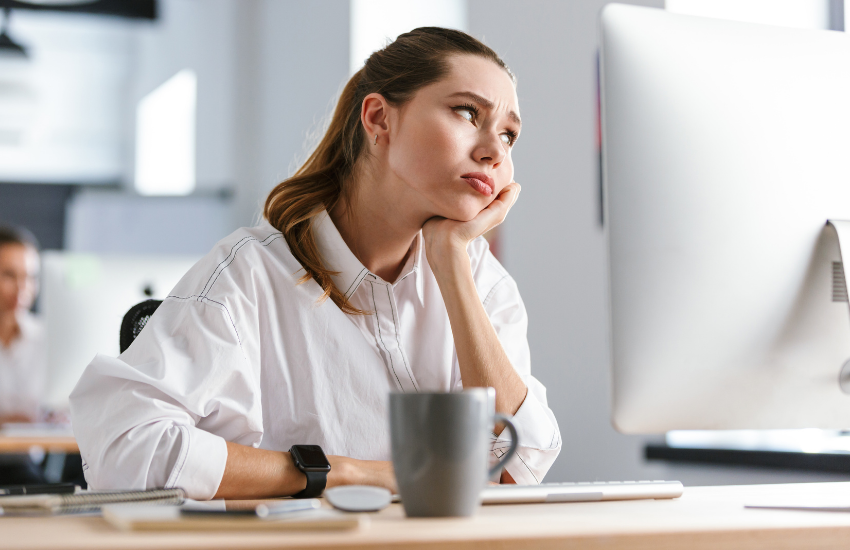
(60, 459)
(11, 445)
(704, 518)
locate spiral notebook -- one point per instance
(85, 502)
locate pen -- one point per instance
(287, 507)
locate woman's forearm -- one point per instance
(482, 360)
(260, 473)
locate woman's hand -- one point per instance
(350, 471)
(444, 236)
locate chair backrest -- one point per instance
(135, 320)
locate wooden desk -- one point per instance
(10, 445)
(704, 518)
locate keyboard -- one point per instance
(581, 492)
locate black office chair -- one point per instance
(135, 320)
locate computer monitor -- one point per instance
(84, 298)
(726, 150)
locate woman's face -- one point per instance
(450, 145)
(18, 277)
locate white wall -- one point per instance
(292, 62)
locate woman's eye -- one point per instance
(467, 114)
(508, 138)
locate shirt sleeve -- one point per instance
(539, 436)
(160, 414)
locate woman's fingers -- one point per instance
(441, 232)
(497, 211)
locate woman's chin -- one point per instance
(461, 215)
(463, 211)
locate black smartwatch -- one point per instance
(311, 460)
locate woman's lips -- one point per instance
(480, 182)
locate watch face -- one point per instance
(311, 456)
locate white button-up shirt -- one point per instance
(239, 351)
(23, 366)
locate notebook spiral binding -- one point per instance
(92, 502)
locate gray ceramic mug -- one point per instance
(440, 446)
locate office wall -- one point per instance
(38, 207)
(292, 62)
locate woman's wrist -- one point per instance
(448, 260)
(343, 471)
(293, 480)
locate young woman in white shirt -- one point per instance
(367, 275)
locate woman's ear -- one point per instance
(374, 115)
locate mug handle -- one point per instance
(499, 417)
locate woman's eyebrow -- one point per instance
(486, 103)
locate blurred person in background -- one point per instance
(23, 355)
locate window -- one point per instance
(165, 137)
(374, 22)
(805, 14)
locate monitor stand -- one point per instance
(841, 230)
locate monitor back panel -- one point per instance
(726, 150)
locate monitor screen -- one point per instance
(84, 298)
(725, 148)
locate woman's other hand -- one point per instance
(444, 237)
(350, 471)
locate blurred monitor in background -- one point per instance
(84, 300)
(22, 351)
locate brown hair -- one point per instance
(414, 60)
(17, 236)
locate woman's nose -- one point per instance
(491, 150)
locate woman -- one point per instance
(367, 276)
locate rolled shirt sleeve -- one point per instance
(539, 436)
(166, 407)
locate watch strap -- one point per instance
(316, 482)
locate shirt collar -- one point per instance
(349, 271)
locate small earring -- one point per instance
(376, 139)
